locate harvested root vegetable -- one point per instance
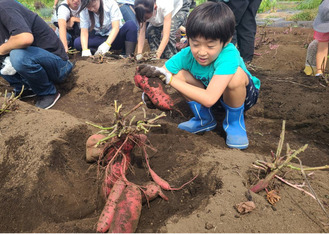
(152, 191)
(155, 90)
(157, 179)
(128, 211)
(93, 152)
(108, 212)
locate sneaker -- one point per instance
(47, 101)
(27, 93)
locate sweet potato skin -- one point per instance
(128, 211)
(155, 90)
(106, 217)
(94, 153)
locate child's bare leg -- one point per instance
(235, 93)
(321, 57)
(187, 77)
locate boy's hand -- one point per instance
(155, 72)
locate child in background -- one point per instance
(68, 22)
(164, 18)
(321, 34)
(211, 72)
(102, 29)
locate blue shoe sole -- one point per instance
(244, 146)
(209, 128)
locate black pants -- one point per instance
(245, 29)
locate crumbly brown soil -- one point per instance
(47, 186)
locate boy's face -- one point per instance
(205, 51)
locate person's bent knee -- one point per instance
(19, 59)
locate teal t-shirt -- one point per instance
(226, 63)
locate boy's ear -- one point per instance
(228, 42)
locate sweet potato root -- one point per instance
(127, 211)
(152, 190)
(108, 212)
(94, 153)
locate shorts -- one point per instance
(251, 95)
(321, 37)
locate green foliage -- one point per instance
(198, 2)
(267, 5)
(309, 4)
(46, 12)
(305, 15)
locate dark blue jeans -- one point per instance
(128, 32)
(37, 69)
(128, 13)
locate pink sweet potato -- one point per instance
(155, 90)
(108, 212)
(128, 211)
(152, 190)
(94, 153)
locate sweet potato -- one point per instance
(94, 153)
(157, 179)
(108, 212)
(114, 172)
(127, 211)
(155, 90)
(152, 190)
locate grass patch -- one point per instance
(305, 15)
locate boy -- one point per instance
(211, 72)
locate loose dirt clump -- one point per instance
(47, 185)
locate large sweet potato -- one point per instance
(128, 211)
(93, 153)
(155, 90)
(106, 217)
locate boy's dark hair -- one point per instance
(143, 7)
(211, 20)
(84, 4)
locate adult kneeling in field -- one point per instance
(211, 72)
(102, 29)
(35, 51)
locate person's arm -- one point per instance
(84, 38)
(71, 22)
(141, 38)
(18, 41)
(165, 35)
(55, 3)
(114, 32)
(207, 97)
(62, 33)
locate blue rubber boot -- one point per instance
(202, 121)
(233, 124)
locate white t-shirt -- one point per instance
(164, 7)
(64, 13)
(111, 13)
(131, 2)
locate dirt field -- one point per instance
(47, 186)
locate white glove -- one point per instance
(86, 53)
(139, 57)
(167, 75)
(7, 68)
(153, 71)
(103, 48)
